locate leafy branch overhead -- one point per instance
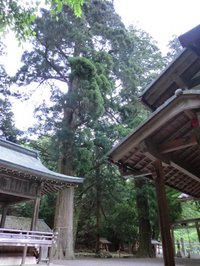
(20, 15)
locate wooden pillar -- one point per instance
(36, 209)
(173, 240)
(168, 253)
(3, 216)
(198, 231)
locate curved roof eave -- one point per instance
(169, 109)
(16, 157)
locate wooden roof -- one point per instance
(191, 39)
(22, 173)
(183, 72)
(170, 134)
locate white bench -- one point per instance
(24, 238)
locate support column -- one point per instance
(3, 216)
(198, 231)
(36, 209)
(35, 214)
(168, 253)
(173, 240)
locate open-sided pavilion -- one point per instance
(23, 177)
(165, 148)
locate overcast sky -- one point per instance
(161, 19)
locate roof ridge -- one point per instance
(19, 148)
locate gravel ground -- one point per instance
(124, 262)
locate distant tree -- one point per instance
(8, 130)
(175, 48)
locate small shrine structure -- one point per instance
(23, 177)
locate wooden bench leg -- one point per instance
(24, 255)
(40, 255)
(50, 257)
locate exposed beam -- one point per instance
(184, 169)
(194, 82)
(184, 227)
(178, 144)
(22, 196)
(152, 152)
(129, 171)
(190, 114)
(159, 87)
(186, 221)
(160, 117)
(179, 81)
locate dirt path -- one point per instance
(125, 262)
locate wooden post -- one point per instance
(183, 246)
(35, 214)
(167, 245)
(173, 240)
(3, 216)
(198, 231)
(24, 255)
(36, 209)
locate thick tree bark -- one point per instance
(63, 221)
(145, 249)
(98, 210)
(64, 224)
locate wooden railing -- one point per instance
(24, 238)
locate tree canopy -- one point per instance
(94, 68)
(19, 15)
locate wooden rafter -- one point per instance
(178, 144)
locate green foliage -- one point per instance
(175, 208)
(47, 148)
(58, 5)
(175, 49)
(124, 209)
(47, 209)
(82, 68)
(7, 127)
(8, 130)
(190, 209)
(19, 15)
(101, 67)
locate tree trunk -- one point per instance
(63, 221)
(145, 249)
(64, 224)
(98, 210)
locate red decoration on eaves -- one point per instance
(195, 122)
